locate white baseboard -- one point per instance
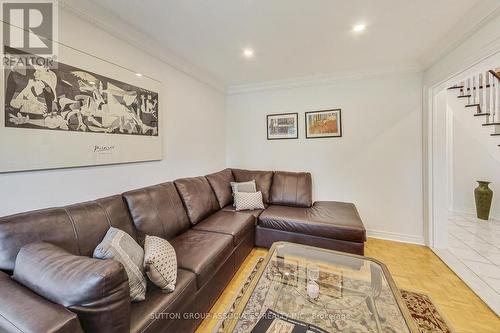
(403, 238)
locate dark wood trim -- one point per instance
(282, 114)
(463, 96)
(495, 134)
(481, 114)
(495, 74)
(478, 106)
(329, 136)
(456, 87)
(480, 87)
(491, 124)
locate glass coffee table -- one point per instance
(307, 289)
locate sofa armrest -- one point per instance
(96, 290)
(21, 310)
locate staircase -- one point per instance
(481, 93)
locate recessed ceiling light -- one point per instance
(248, 53)
(359, 27)
(138, 74)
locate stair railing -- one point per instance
(483, 92)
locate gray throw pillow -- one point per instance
(160, 262)
(244, 186)
(120, 246)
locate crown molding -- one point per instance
(93, 13)
(479, 16)
(324, 79)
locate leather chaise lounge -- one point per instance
(195, 215)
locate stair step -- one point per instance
(481, 114)
(474, 105)
(491, 124)
(495, 134)
(455, 87)
(463, 96)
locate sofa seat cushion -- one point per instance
(235, 224)
(202, 253)
(159, 306)
(255, 213)
(337, 220)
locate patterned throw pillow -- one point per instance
(160, 262)
(120, 246)
(248, 201)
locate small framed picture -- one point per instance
(283, 126)
(323, 124)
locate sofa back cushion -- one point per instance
(263, 180)
(198, 197)
(221, 184)
(292, 189)
(77, 228)
(157, 211)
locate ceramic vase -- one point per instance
(483, 195)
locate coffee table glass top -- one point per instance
(326, 290)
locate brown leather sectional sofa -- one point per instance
(195, 214)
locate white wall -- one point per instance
(475, 153)
(377, 164)
(193, 127)
(471, 162)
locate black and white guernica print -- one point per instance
(67, 98)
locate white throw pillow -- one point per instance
(248, 201)
(160, 263)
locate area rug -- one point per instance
(424, 313)
(421, 308)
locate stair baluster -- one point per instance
(496, 89)
(484, 93)
(473, 90)
(491, 90)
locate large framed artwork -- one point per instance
(323, 124)
(282, 126)
(83, 111)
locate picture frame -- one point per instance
(323, 124)
(282, 126)
(101, 114)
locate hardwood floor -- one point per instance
(413, 267)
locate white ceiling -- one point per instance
(294, 38)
